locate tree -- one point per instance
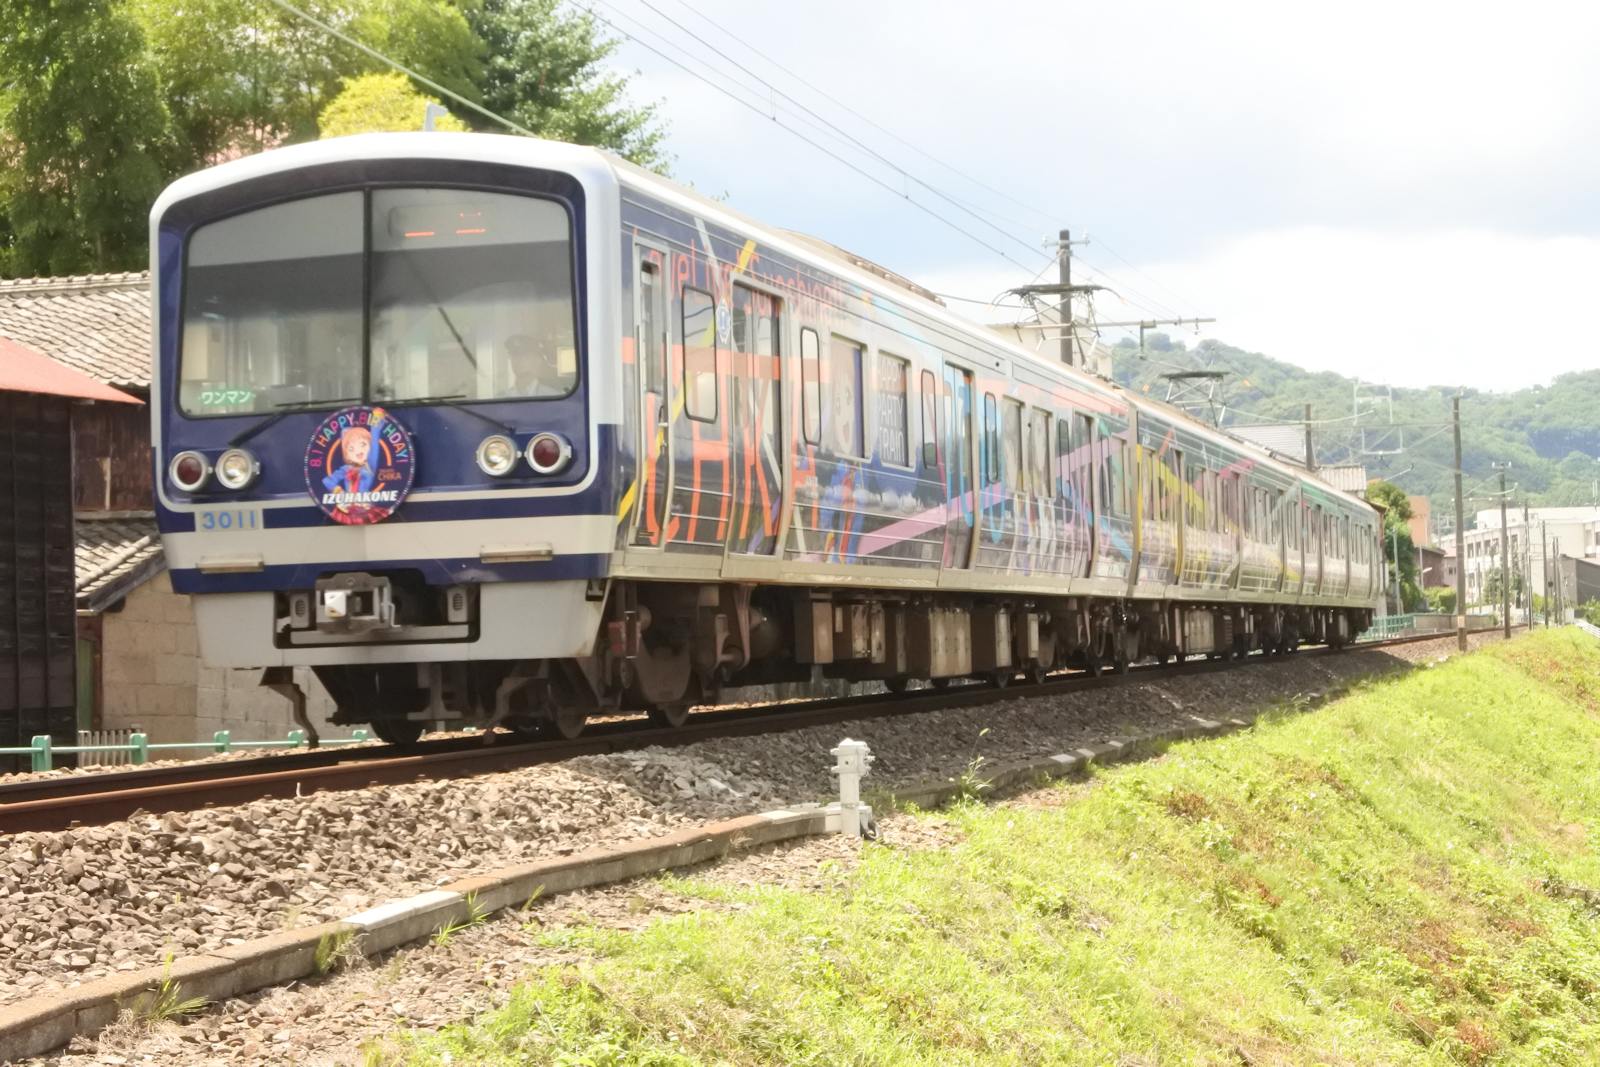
(1441, 601)
(259, 77)
(1398, 548)
(375, 103)
(82, 137)
(1492, 592)
(545, 72)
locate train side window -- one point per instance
(845, 397)
(810, 387)
(699, 354)
(648, 357)
(1064, 456)
(894, 418)
(991, 440)
(1011, 468)
(930, 421)
(1039, 453)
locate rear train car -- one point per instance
(501, 431)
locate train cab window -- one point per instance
(991, 440)
(810, 386)
(1040, 482)
(471, 296)
(894, 421)
(1011, 468)
(845, 398)
(930, 421)
(699, 354)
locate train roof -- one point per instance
(600, 166)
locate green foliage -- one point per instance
(1549, 434)
(546, 72)
(375, 103)
(1589, 612)
(1441, 600)
(83, 137)
(1403, 877)
(1492, 592)
(102, 102)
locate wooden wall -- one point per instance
(112, 446)
(38, 631)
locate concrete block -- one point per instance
(400, 921)
(278, 958)
(173, 668)
(36, 1025)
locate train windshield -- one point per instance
(388, 296)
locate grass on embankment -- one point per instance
(1396, 878)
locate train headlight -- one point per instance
(237, 468)
(497, 455)
(189, 471)
(549, 453)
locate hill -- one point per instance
(1550, 434)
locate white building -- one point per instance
(1547, 533)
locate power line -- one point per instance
(814, 144)
(852, 111)
(402, 68)
(851, 138)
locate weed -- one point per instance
(166, 1001)
(970, 783)
(336, 951)
(476, 914)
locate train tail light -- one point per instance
(189, 471)
(549, 453)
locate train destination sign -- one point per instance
(359, 465)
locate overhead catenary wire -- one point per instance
(742, 102)
(1053, 217)
(421, 79)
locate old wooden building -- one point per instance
(39, 668)
(136, 649)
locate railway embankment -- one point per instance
(1407, 876)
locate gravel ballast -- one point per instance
(79, 904)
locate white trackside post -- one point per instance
(853, 762)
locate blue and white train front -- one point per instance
(382, 448)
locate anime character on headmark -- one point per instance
(355, 446)
(359, 466)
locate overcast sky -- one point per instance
(1409, 192)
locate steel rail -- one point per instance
(96, 799)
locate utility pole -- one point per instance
(1394, 555)
(1064, 308)
(1544, 572)
(1527, 569)
(1311, 455)
(1505, 555)
(1461, 522)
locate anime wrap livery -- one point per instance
(752, 457)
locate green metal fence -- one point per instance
(43, 751)
(1388, 626)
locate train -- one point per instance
(506, 432)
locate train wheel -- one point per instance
(671, 716)
(1036, 674)
(565, 722)
(1001, 679)
(1093, 664)
(897, 685)
(403, 732)
(1119, 663)
(941, 683)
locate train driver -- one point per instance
(534, 369)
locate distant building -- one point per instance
(137, 665)
(1421, 522)
(1432, 571)
(1532, 545)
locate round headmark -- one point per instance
(359, 465)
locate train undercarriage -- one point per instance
(665, 647)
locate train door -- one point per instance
(755, 421)
(701, 491)
(958, 495)
(651, 346)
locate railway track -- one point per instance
(90, 800)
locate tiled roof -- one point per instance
(116, 554)
(96, 323)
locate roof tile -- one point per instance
(115, 555)
(96, 323)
